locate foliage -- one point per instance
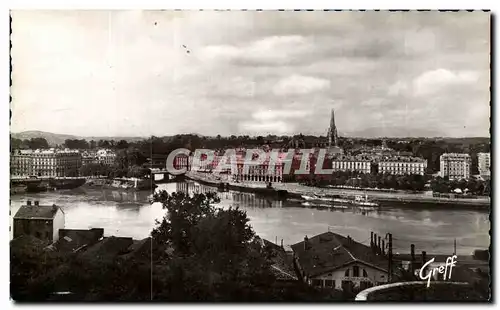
(77, 144)
(33, 143)
(471, 186)
(412, 182)
(95, 169)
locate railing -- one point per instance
(388, 291)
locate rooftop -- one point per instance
(36, 211)
(108, 248)
(455, 155)
(329, 251)
(282, 262)
(403, 159)
(73, 239)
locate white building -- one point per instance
(402, 165)
(56, 163)
(333, 261)
(106, 157)
(455, 165)
(351, 163)
(483, 163)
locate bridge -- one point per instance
(28, 180)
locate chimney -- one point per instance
(371, 240)
(383, 247)
(375, 243)
(412, 253)
(29, 203)
(282, 243)
(424, 257)
(99, 232)
(36, 203)
(306, 243)
(379, 245)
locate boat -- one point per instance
(62, 183)
(358, 200)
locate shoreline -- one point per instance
(294, 190)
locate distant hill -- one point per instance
(389, 131)
(58, 139)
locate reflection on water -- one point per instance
(130, 214)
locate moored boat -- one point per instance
(358, 200)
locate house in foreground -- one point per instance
(330, 260)
(41, 222)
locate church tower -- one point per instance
(332, 131)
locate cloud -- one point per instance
(273, 50)
(300, 85)
(398, 88)
(373, 102)
(269, 127)
(265, 115)
(248, 71)
(432, 81)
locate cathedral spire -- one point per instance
(332, 131)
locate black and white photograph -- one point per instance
(243, 156)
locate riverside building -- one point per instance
(21, 163)
(455, 165)
(483, 163)
(352, 163)
(46, 163)
(402, 165)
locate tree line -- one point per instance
(430, 149)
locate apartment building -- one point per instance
(483, 163)
(455, 165)
(401, 165)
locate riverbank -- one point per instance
(126, 184)
(295, 190)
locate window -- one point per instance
(317, 282)
(365, 274)
(355, 271)
(346, 272)
(329, 283)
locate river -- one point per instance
(131, 215)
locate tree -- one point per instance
(122, 144)
(76, 144)
(225, 260)
(37, 143)
(15, 143)
(104, 144)
(95, 169)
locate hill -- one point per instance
(57, 139)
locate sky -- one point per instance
(142, 73)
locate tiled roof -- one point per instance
(73, 239)
(37, 212)
(329, 251)
(139, 249)
(108, 248)
(281, 261)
